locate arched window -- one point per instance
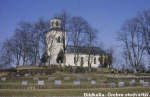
(58, 39)
(74, 60)
(99, 59)
(82, 60)
(52, 24)
(57, 24)
(95, 60)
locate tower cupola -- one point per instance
(55, 23)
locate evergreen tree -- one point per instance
(60, 56)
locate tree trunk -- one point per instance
(134, 69)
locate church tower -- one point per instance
(54, 40)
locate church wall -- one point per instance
(70, 60)
(54, 47)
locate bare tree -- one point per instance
(31, 37)
(77, 27)
(16, 47)
(110, 57)
(38, 39)
(133, 42)
(12, 48)
(28, 42)
(125, 56)
(91, 37)
(6, 57)
(143, 19)
(25, 29)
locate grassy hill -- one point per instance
(103, 77)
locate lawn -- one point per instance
(12, 86)
(102, 81)
(71, 92)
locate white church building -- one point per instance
(54, 44)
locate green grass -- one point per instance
(101, 81)
(142, 74)
(12, 86)
(70, 92)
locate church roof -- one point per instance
(85, 50)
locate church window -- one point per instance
(57, 23)
(100, 59)
(74, 60)
(94, 60)
(82, 60)
(59, 39)
(52, 24)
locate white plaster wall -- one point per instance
(54, 23)
(54, 47)
(70, 60)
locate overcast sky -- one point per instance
(105, 15)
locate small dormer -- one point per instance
(55, 23)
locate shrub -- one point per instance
(60, 56)
(79, 69)
(68, 69)
(93, 69)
